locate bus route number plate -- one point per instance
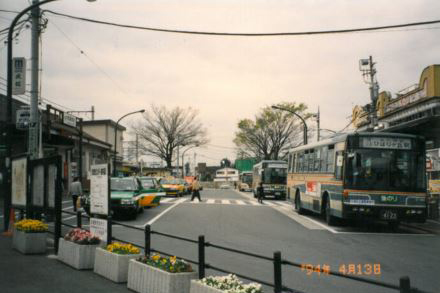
(389, 215)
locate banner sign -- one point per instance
(19, 182)
(99, 189)
(18, 76)
(69, 120)
(52, 176)
(38, 186)
(98, 228)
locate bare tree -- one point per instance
(272, 132)
(161, 131)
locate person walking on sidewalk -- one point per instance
(195, 189)
(75, 191)
(260, 193)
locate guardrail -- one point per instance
(404, 285)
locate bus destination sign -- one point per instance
(386, 143)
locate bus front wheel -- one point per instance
(331, 220)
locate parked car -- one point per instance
(125, 195)
(151, 192)
(225, 186)
(173, 187)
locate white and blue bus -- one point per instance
(365, 174)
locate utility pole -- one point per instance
(369, 75)
(34, 125)
(137, 150)
(177, 164)
(317, 122)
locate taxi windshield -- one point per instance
(122, 184)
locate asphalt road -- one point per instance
(236, 220)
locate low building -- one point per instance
(105, 130)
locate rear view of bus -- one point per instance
(385, 177)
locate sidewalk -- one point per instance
(44, 273)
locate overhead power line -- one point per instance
(334, 31)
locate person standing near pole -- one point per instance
(195, 189)
(260, 193)
(75, 191)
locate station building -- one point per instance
(413, 110)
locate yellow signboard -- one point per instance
(434, 186)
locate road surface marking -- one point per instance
(66, 201)
(300, 220)
(253, 203)
(167, 199)
(163, 213)
(225, 201)
(210, 201)
(268, 203)
(240, 202)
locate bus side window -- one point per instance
(324, 159)
(311, 160)
(300, 161)
(330, 158)
(318, 154)
(339, 165)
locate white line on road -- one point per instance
(66, 201)
(240, 202)
(225, 201)
(165, 200)
(252, 202)
(163, 213)
(210, 201)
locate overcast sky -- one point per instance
(226, 78)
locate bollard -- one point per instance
(147, 234)
(78, 219)
(278, 281)
(404, 285)
(201, 257)
(109, 229)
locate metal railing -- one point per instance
(404, 285)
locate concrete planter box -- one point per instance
(81, 257)
(29, 243)
(111, 265)
(143, 278)
(196, 287)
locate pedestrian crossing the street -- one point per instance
(228, 202)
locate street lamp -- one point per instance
(302, 119)
(9, 120)
(116, 141)
(183, 154)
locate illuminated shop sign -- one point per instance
(386, 143)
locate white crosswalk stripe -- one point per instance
(222, 201)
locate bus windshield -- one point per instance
(385, 170)
(275, 176)
(246, 178)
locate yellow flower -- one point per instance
(155, 257)
(173, 260)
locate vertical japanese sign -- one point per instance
(19, 182)
(99, 189)
(18, 76)
(52, 177)
(98, 228)
(38, 186)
